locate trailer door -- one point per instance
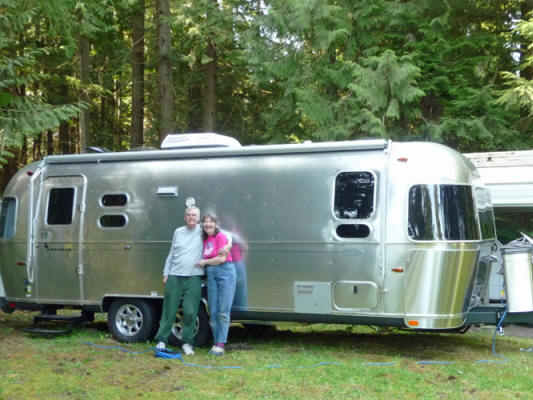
(59, 267)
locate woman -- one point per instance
(221, 278)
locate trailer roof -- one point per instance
(518, 158)
(508, 175)
(321, 147)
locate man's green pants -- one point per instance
(190, 288)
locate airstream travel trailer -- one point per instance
(358, 232)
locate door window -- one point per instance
(60, 206)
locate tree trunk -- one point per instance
(9, 169)
(210, 98)
(164, 69)
(84, 48)
(137, 76)
(49, 142)
(63, 138)
(527, 73)
(23, 159)
(37, 154)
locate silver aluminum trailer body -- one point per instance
(363, 232)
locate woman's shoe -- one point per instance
(216, 351)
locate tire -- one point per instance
(202, 331)
(131, 320)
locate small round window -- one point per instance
(112, 221)
(114, 200)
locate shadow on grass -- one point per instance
(327, 338)
(365, 340)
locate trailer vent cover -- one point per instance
(304, 289)
(312, 297)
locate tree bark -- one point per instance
(527, 73)
(210, 98)
(9, 169)
(49, 142)
(84, 48)
(37, 153)
(164, 69)
(137, 75)
(63, 138)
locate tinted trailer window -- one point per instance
(60, 206)
(7, 217)
(442, 212)
(354, 195)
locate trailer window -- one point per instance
(442, 212)
(353, 231)
(354, 195)
(114, 200)
(60, 206)
(112, 221)
(485, 213)
(512, 222)
(7, 217)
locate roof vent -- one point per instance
(198, 140)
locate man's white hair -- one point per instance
(192, 208)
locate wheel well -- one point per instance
(155, 302)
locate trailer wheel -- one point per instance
(202, 330)
(131, 320)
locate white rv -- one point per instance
(509, 177)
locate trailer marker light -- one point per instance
(412, 323)
(397, 270)
(12, 305)
(402, 159)
(21, 263)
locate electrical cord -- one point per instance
(505, 358)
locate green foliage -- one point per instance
(286, 70)
(24, 111)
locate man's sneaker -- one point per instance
(160, 346)
(216, 351)
(187, 349)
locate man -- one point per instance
(183, 280)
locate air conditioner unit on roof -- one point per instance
(197, 140)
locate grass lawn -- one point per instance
(292, 362)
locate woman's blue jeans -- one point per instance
(221, 281)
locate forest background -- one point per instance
(121, 74)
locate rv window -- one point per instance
(60, 206)
(486, 221)
(442, 212)
(7, 217)
(353, 231)
(112, 221)
(485, 212)
(114, 200)
(512, 222)
(354, 195)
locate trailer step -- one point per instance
(72, 319)
(57, 324)
(47, 332)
